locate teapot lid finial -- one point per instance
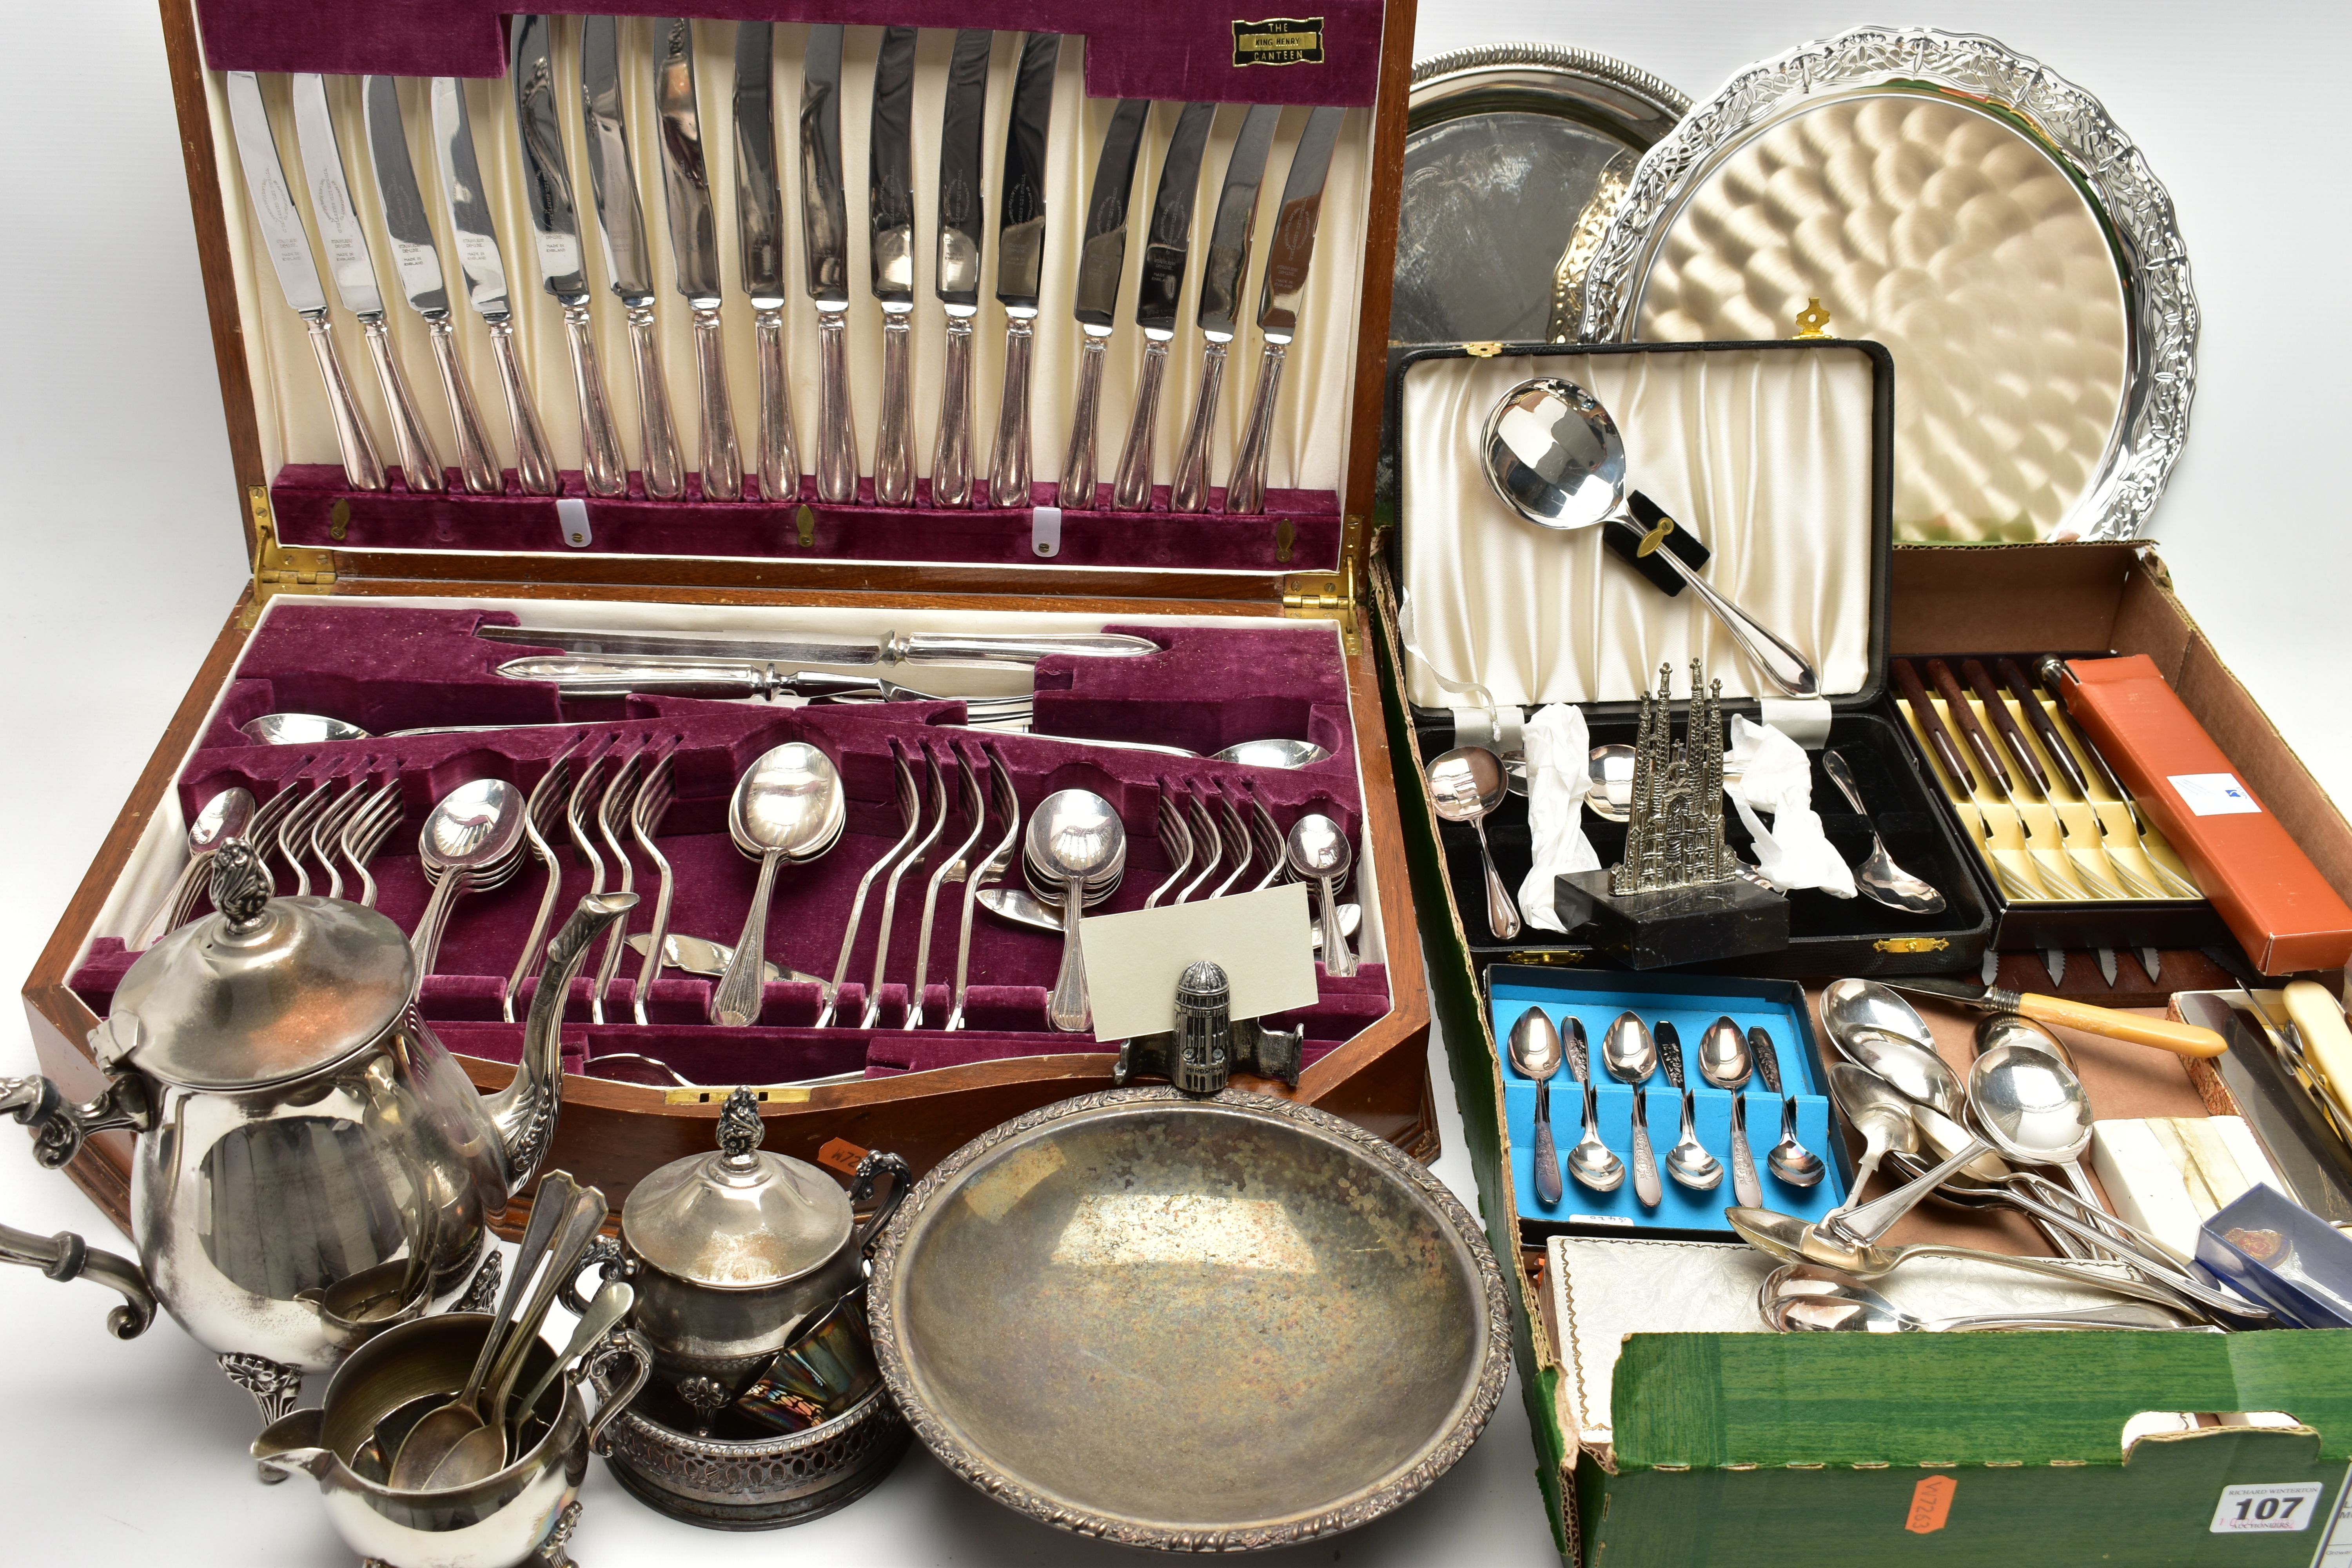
(739, 1130)
(240, 886)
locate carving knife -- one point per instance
(890, 255)
(2182, 1039)
(353, 272)
(1165, 250)
(467, 202)
(588, 675)
(956, 280)
(760, 231)
(1222, 276)
(824, 232)
(555, 234)
(1021, 259)
(621, 225)
(297, 272)
(1288, 255)
(694, 248)
(1101, 260)
(983, 648)
(418, 263)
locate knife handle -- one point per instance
(1008, 468)
(837, 430)
(656, 431)
(2021, 686)
(780, 458)
(1946, 749)
(951, 454)
(603, 467)
(1191, 491)
(722, 460)
(894, 436)
(418, 466)
(2327, 1041)
(474, 459)
(1245, 491)
(2182, 1039)
(1980, 681)
(1955, 704)
(534, 462)
(1077, 491)
(1131, 490)
(361, 470)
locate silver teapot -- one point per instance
(311, 1166)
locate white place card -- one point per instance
(1262, 941)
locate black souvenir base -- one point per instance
(1702, 923)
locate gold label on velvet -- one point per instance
(1279, 41)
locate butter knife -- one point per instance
(890, 253)
(280, 221)
(825, 233)
(1288, 256)
(760, 231)
(956, 280)
(1165, 252)
(694, 248)
(1222, 273)
(468, 201)
(353, 272)
(415, 258)
(1102, 259)
(621, 225)
(1021, 259)
(555, 232)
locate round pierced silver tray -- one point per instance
(1968, 207)
(762, 1483)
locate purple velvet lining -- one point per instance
(308, 497)
(385, 668)
(1169, 50)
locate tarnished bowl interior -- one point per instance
(1191, 1316)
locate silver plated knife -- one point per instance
(418, 263)
(1021, 259)
(1102, 259)
(1288, 255)
(980, 648)
(555, 237)
(621, 225)
(353, 270)
(1164, 253)
(694, 248)
(280, 221)
(890, 212)
(825, 241)
(956, 278)
(1222, 273)
(467, 202)
(760, 230)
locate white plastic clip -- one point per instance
(1046, 532)
(572, 512)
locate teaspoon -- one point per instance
(1591, 1161)
(788, 805)
(1688, 1162)
(1790, 1158)
(472, 839)
(1318, 853)
(1076, 836)
(1724, 1061)
(1878, 875)
(1536, 1053)
(1466, 784)
(1631, 1056)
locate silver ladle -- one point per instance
(1591, 1161)
(1535, 1052)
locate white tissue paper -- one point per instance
(1775, 776)
(1558, 750)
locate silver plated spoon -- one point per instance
(1878, 875)
(227, 815)
(1851, 1307)
(473, 838)
(1591, 1161)
(1688, 1162)
(1074, 835)
(1789, 1160)
(1535, 1052)
(1632, 1056)
(1850, 1005)
(1318, 853)
(1883, 1117)
(1466, 784)
(1273, 754)
(788, 805)
(1724, 1061)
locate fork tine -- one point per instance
(644, 824)
(939, 794)
(550, 799)
(1175, 840)
(1237, 840)
(1207, 841)
(616, 797)
(1270, 840)
(1007, 800)
(910, 813)
(366, 833)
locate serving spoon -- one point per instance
(788, 805)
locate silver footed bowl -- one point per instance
(1202, 1325)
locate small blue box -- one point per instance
(2303, 1268)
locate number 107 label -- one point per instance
(2276, 1508)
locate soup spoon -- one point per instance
(788, 805)
(1466, 784)
(1076, 836)
(473, 839)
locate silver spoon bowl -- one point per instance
(1850, 1005)
(1318, 853)
(2011, 1029)
(1631, 1056)
(788, 805)
(1688, 1162)
(473, 839)
(1878, 877)
(1273, 754)
(1535, 1052)
(1789, 1160)
(1920, 1076)
(1724, 1061)
(1466, 784)
(1074, 835)
(227, 815)
(1883, 1117)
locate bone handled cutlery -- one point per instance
(415, 258)
(274, 212)
(1288, 254)
(890, 256)
(760, 233)
(825, 234)
(1166, 247)
(1102, 259)
(1021, 259)
(620, 226)
(353, 272)
(694, 249)
(466, 202)
(1223, 272)
(956, 278)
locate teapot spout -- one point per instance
(524, 1113)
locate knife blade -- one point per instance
(620, 230)
(699, 956)
(1166, 248)
(271, 202)
(890, 253)
(1223, 272)
(352, 269)
(1288, 256)
(1021, 259)
(981, 648)
(760, 233)
(418, 263)
(2289, 1123)
(694, 248)
(825, 234)
(466, 202)
(956, 277)
(1102, 259)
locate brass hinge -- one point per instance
(1323, 597)
(281, 568)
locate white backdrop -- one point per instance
(119, 539)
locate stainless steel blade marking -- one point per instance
(340, 235)
(1288, 255)
(411, 231)
(621, 229)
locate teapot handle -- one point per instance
(60, 1128)
(66, 1256)
(612, 1396)
(861, 1191)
